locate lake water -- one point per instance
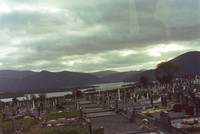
(104, 86)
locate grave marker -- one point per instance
(131, 115)
(165, 121)
(119, 94)
(14, 124)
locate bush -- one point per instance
(178, 107)
(59, 107)
(189, 110)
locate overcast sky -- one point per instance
(94, 35)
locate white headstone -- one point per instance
(119, 94)
(143, 100)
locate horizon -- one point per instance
(93, 36)
(96, 70)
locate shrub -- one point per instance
(189, 110)
(178, 107)
(59, 107)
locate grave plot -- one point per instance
(60, 122)
(113, 124)
(186, 122)
(85, 102)
(100, 114)
(93, 110)
(61, 118)
(89, 106)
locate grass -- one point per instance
(71, 114)
(63, 130)
(68, 130)
(24, 124)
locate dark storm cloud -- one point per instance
(95, 35)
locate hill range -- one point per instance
(11, 80)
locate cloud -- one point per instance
(95, 35)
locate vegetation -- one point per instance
(165, 72)
(68, 130)
(24, 124)
(144, 80)
(71, 114)
(63, 130)
(141, 93)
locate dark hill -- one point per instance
(189, 64)
(47, 79)
(104, 73)
(15, 74)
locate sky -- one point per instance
(95, 35)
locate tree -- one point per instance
(42, 97)
(165, 72)
(144, 80)
(15, 100)
(78, 93)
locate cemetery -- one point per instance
(157, 108)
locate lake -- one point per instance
(104, 86)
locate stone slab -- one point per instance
(114, 124)
(85, 102)
(101, 114)
(89, 106)
(93, 110)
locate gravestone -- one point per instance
(116, 106)
(14, 124)
(119, 94)
(81, 114)
(38, 110)
(1, 106)
(196, 105)
(131, 115)
(165, 121)
(109, 98)
(1, 130)
(177, 97)
(151, 100)
(89, 125)
(104, 101)
(125, 96)
(143, 100)
(170, 96)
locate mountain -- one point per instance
(104, 73)
(189, 64)
(15, 74)
(46, 79)
(120, 76)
